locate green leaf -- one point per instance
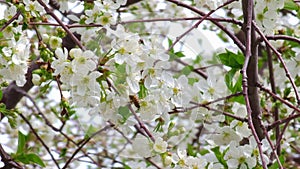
(24, 26)
(63, 152)
(191, 150)
(44, 89)
(290, 5)
(35, 159)
(187, 70)
(238, 85)
(297, 80)
(286, 92)
(1, 94)
(203, 151)
(191, 81)
(220, 156)
(124, 112)
(126, 167)
(21, 142)
(179, 54)
(229, 79)
(143, 91)
(121, 72)
(21, 158)
(29, 158)
(231, 59)
(170, 44)
(222, 36)
(239, 99)
(176, 55)
(12, 122)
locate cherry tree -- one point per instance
(103, 84)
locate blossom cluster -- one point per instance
(267, 14)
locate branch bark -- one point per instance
(252, 73)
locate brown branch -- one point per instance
(250, 73)
(273, 87)
(280, 136)
(141, 124)
(282, 121)
(250, 76)
(273, 148)
(11, 20)
(283, 37)
(228, 20)
(130, 2)
(198, 23)
(223, 28)
(11, 95)
(7, 160)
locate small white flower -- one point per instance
(61, 62)
(236, 157)
(225, 135)
(83, 62)
(36, 79)
(34, 7)
(55, 42)
(10, 12)
(85, 83)
(160, 146)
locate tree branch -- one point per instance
(250, 77)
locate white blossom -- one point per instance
(160, 146)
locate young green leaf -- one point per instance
(21, 142)
(231, 59)
(220, 156)
(33, 158)
(229, 79)
(124, 112)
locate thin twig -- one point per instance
(278, 98)
(227, 114)
(198, 71)
(85, 142)
(282, 121)
(141, 124)
(281, 60)
(223, 28)
(273, 87)
(273, 149)
(40, 140)
(280, 137)
(38, 109)
(129, 141)
(197, 24)
(51, 13)
(229, 20)
(11, 20)
(283, 37)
